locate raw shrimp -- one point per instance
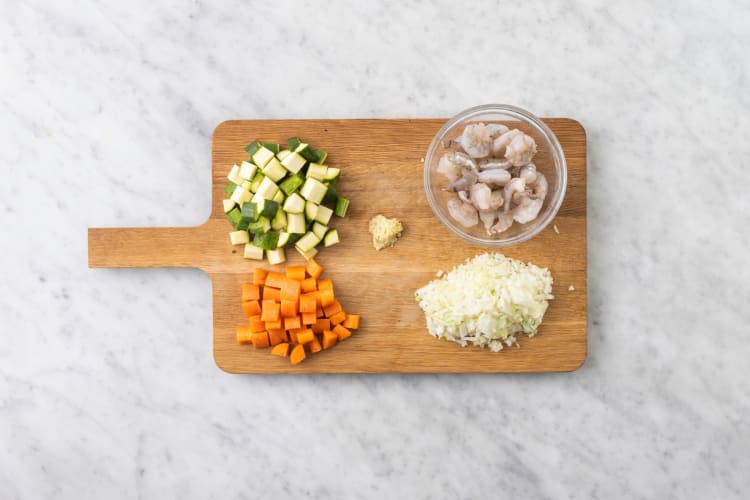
(464, 196)
(464, 213)
(481, 196)
(493, 164)
(504, 221)
(468, 179)
(496, 199)
(539, 187)
(495, 130)
(488, 219)
(516, 185)
(520, 150)
(494, 177)
(476, 140)
(527, 210)
(499, 144)
(528, 173)
(449, 168)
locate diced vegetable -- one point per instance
(314, 269)
(267, 188)
(298, 354)
(332, 174)
(294, 204)
(228, 205)
(331, 238)
(273, 146)
(293, 162)
(313, 190)
(296, 223)
(281, 350)
(239, 237)
(317, 171)
(274, 170)
(323, 215)
(234, 175)
(231, 187)
(262, 225)
(259, 276)
(252, 252)
(266, 241)
(247, 170)
(342, 205)
(319, 229)
(262, 156)
(308, 241)
(282, 154)
(311, 210)
(276, 256)
(291, 184)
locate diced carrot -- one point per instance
(292, 322)
(309, 319)
(250, 292)
(256, 324)
(290, 290)
(329, 339)
(316, 295)
(309, 285)
(271, 293)
(298, 354)
(326, 298)
(337, 318)
(307, 303)
(314, 345)
(244, 335)
(325, 284)
(313, 268)
(319, 311)
(332, 309)
(293, 334)
(295, 272)
(251, 308)
(341, 332)
(276, 336)
(351, 321)
(260, 339)
(289, 308)
(305, 336)
(259, 276)
(274, 279)
(281, 349)
(321, 325)
(271, 311)
(275, 325)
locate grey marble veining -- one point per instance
(108, 388)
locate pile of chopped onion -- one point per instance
(487, 301)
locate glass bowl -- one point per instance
(549, 160)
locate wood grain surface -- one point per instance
(381, 162)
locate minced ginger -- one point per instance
(385, 232)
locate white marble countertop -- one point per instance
(108, 387)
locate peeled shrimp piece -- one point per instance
(464, 213)
(504, 221)
(516, 186)
(528, 173)
(449, 168)
(539, 187)
(496, 199)
(476, 140)
(520, 150)
(481, 196)
(527, 210)
(488, 219)
(494, 177)
(499, 144)
(495, 130)
(494, 164)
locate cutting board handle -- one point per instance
(146, 246)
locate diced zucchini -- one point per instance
(257, 179)
(263, 156)
(308, 241)
(332, 174)
(243, 224)
(273, 146)
(274, 170)
(294, 238)
(230, 188)
(293, 142)
(323, 215)
(239, 237)
(283, 154)
(247, 170)
(250, 211)
(240, 195)
(331, 196)
(279, 197)
(234, 217)
(317, 171)
(308, 254)
(322, 155)
(279, 220)
(291, 184)
(276, 256)
(306, 152)
(311, 210)
(293, 162)
(234, 174)
(284, 238)
(342, 205)
(319, 229)
(294, 204)
(295, 223)
(246, 185)
(313, 190)
(267, 188)
(262, 225)
(267, 208)
(252, 148)
(253, 252)
(228, 205)
(331, 238)
(266, 241)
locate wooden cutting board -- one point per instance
(381, 163)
